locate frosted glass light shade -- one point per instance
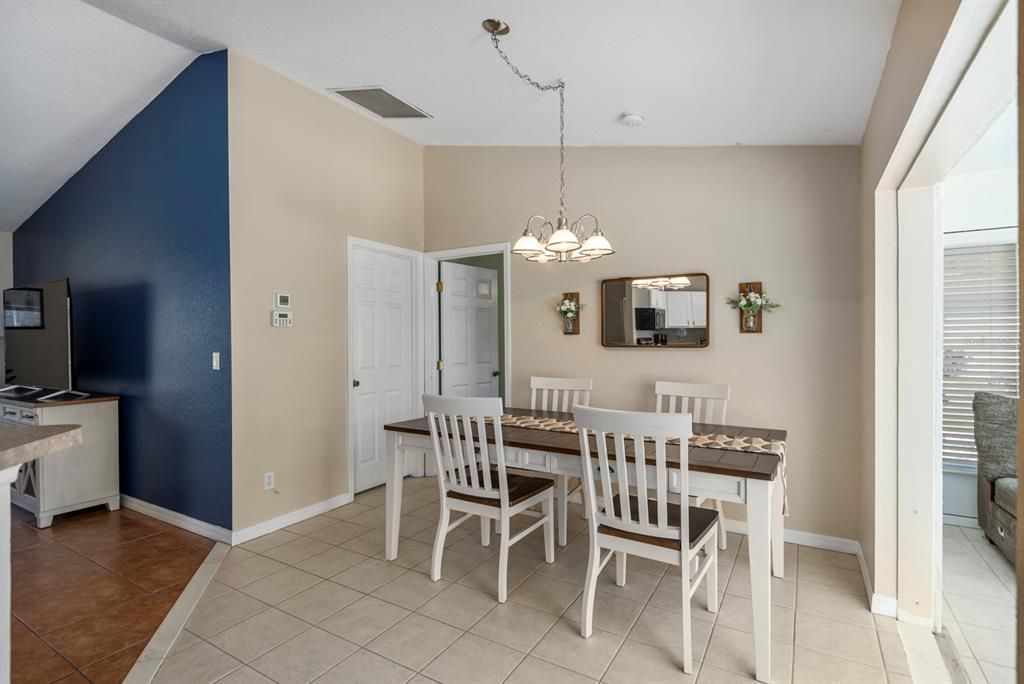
(563, 240)
(543, 257)
(528, 245)
(597, 245)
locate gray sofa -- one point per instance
(995, 434)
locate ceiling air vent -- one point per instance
(380, 102)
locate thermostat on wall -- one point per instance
(282, 300)
(281, 319)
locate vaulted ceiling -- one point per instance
(703, 72)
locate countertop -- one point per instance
(20, 444)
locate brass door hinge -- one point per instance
(440, 286)
(440, 365)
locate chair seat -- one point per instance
(520, 488)
(701, 520)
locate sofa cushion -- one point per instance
(995, 434)
(1006, 494)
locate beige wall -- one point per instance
(786, 216)
(305, 173)
(920, 29)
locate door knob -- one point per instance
(495, 374)
(355, 383)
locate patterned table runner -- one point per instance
(754, 445)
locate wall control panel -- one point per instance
(281, 319)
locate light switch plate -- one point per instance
(216, 361)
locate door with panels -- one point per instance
(381, 356)
(470, 365)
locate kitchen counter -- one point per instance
(21, 444)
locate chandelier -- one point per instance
(560, 241)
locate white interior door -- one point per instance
(469, 331)
(381, 355)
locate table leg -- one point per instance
(759, 539)
(562, 500)
(393, 471)
(778, 531)
(7, 476)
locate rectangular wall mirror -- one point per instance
(655, 311)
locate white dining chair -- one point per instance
(560, 394)
(707, 404)
(634, 514)
(469, 484)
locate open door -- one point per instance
(469, 331)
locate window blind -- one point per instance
(980, 337)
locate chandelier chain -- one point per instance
(558, 85)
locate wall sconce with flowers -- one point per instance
(751, 303)
(569, 308)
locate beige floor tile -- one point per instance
(516, 626)
(965, 561)
(371, 497)
(339, 532)
(296, 551)
(832, 577)
(319, 601)
(669, 596)
(990, 645)
(254, 636)
(783, 590)
(983, 586)
(812, 667)
(248, 571)
(415, 641)
(199, 664)
(663, 629)
(347, 511)
(473, 660)
(235, 554)
(369, 544)
(894, 656)
(410, 553)
(213, 590)
(566, 567)
(364, 620)
(366, 667)
(564, 646)
(972, 611)
(536, 671)
(281, 585)
(410, 590)
(738, 612)
(369, 575)
(331, 562)
(952, 628)
(454, 565)
(972, 671)
(225, 611)
(611, 613)
(458, 606)
(428, 511)
(245, 675)
(710, 674)
(639, 585)
(651, 567)
(837, 638)
(823, 557)
(304, 658)
(269, 541)
(545, 593)
(184, 640)
(837, 605)
(998, 674)
(310, 525)
(638, 662)
(484, 577)
(733, 650)
(410, 525)
(373, 519)
(884, 623)
(458, 534)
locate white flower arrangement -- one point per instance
(567, 308)
(752, 302)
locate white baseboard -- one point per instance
(959, 520)
(201, 528)
(817, 541)
(281, 521)
(884, 605)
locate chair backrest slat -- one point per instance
(462, 453)
(559, 394)
(630, 436)
(706, 403)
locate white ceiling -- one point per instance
(704, 72)
(71, 76)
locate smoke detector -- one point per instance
(631, 119)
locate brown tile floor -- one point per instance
(88, 592)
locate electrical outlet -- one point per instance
(268, 480)
(216, 360)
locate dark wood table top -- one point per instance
(757, 466)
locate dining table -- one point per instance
(730, 463)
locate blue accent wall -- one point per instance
(142, 233)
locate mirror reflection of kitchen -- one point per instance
(655, 311)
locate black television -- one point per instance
(37, 335)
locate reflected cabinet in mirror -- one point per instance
(655, 311)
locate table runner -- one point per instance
(754, 445)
